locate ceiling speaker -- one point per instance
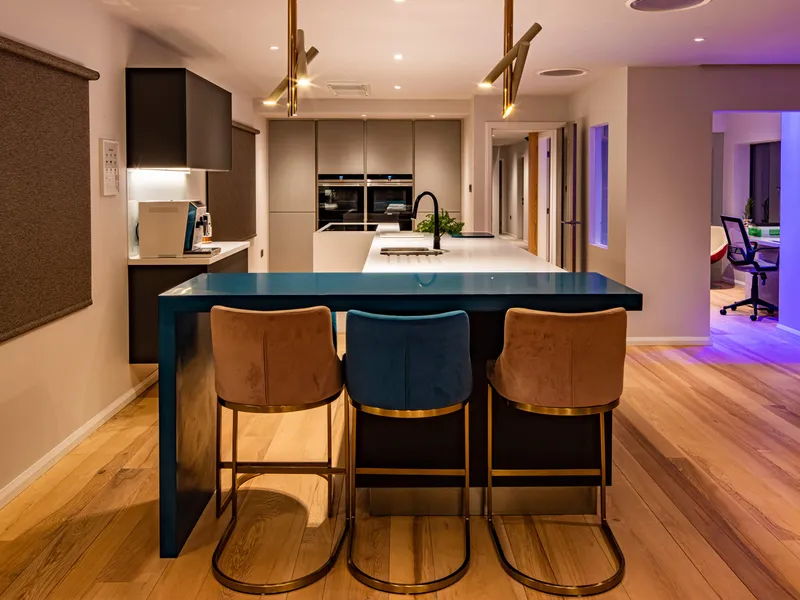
(571, 72)
(665, 5)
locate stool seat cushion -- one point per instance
(557, 360)
(276, 358)
(408, 363)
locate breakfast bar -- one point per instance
(188, 400)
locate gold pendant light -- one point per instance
(511, 70)
(297, 68)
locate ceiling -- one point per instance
(448, 46)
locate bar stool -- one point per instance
(561, 365)
(409, 368)
(274, 362)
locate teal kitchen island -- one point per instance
(187, 400)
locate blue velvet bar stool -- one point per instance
(563, 365)
(408, 368)
(274, 362)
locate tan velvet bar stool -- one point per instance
(274, 362)
(561, 365)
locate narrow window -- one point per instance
(598, 186)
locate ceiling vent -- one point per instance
(343, 89)
(665, 5)
(571, 72)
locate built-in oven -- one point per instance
(340, 199)
(390, 199)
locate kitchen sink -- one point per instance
(411, 251)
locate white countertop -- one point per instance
(465, 255)
(226, 249)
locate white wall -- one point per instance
(513, 213)
(488, 109)
(670, 117)
(790, 223)
(606, 102)
(57, 378)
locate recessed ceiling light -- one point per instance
(397, 87)
(699, 39)
(399, 1)
(433, 116)
(273, 47)
(665, 5)
(364, 115)
(398, 57)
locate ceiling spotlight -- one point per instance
(273, 48)
(397, 87)
(398, 57)
(270, 102)
(279, 91)
(485, 84)
(364, 115)
(399, 1)
(509, 109)
(433, 116)
(699, 39)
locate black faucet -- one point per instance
(436, 242)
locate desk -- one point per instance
(187, 400)
(769, 291)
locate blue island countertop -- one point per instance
(562, 292)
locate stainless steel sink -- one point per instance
(411, 251)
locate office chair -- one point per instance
(745, 256)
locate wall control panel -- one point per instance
(109, 168)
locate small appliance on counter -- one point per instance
(172, 229)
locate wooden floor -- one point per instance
(705, 501)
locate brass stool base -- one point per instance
(408, 588)
(271, 588)
(564, 590)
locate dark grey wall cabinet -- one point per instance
(177, 119)
(231, 195)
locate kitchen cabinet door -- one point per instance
(291, 237)
(437, 161)
(292, 166)
(340, 147)
(390, 147)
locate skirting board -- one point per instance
(37, 469)
(669, 341)
(788, 329)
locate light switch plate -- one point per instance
(109, 168)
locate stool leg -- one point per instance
(218, 455)
(602, 467)
(348, 464)
(234, 466)
(489, 459)
(330, 462)
(466, 467)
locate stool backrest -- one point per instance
(562, 360)
(278, 358)
(408, 363)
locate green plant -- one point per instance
(447, 224)
(748, 209)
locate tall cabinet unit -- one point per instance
(292, 195)
(340, 147)
(437, 164)
(390, 147)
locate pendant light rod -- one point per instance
(519, 67)
(510, 56)
(302, 61)
(279, 91)
(291, 106)
(508, 43)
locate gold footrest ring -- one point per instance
(408, 588)
(548, 587)
(271, 588)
